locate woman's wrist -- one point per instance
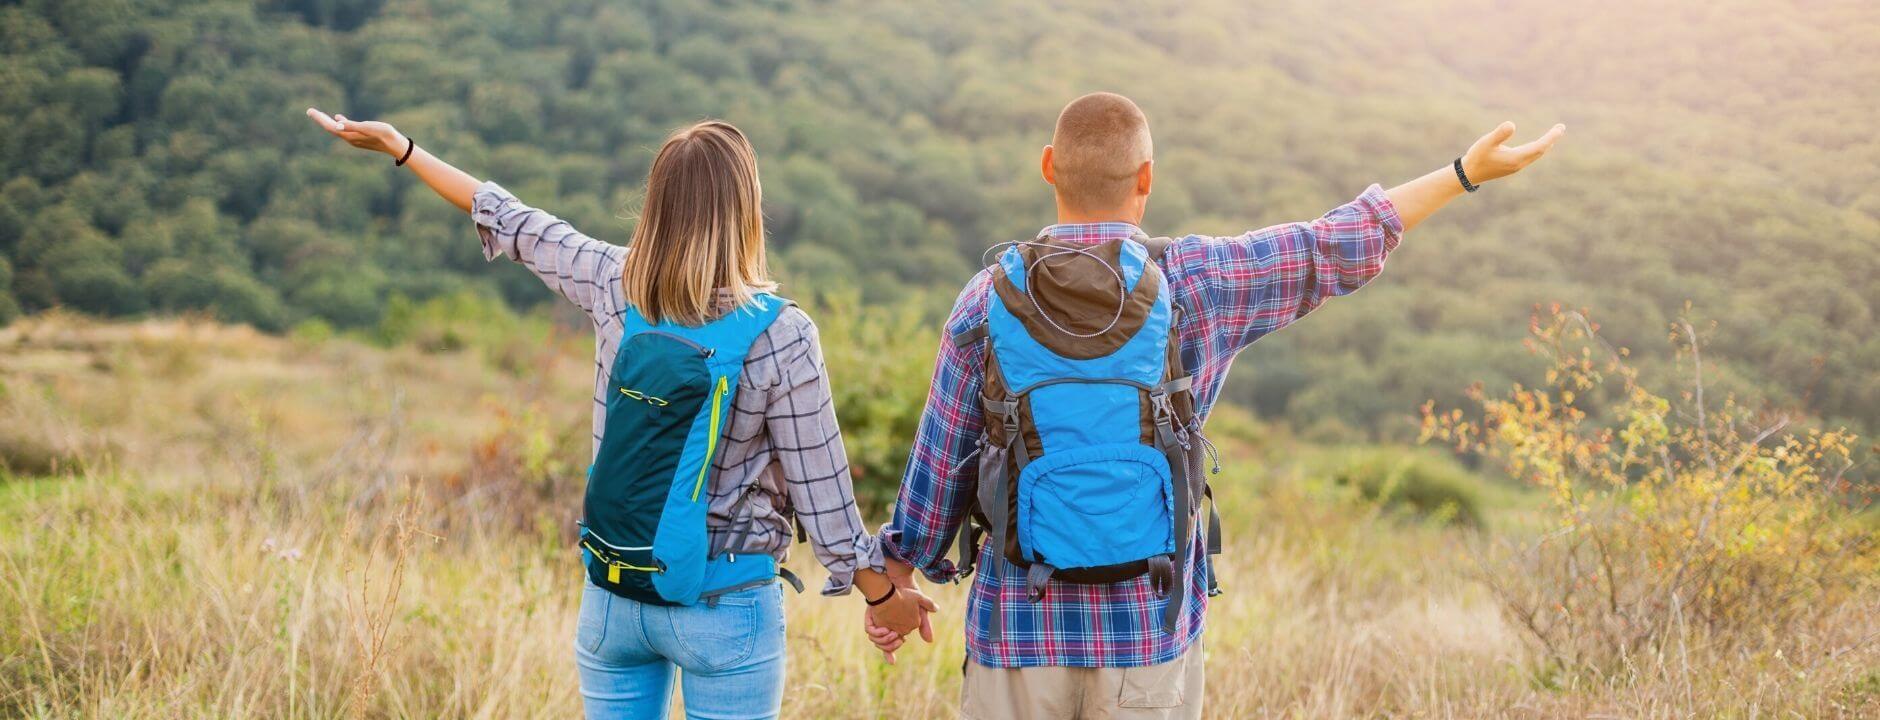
(396, 144)
(402, 157)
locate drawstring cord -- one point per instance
(1122, 290)
(1214, 456)
(969, 458)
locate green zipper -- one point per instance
(711, 442)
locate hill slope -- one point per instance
(221, 522)
(1720, 153)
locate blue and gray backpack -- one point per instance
(644, 537)
(1090, 462)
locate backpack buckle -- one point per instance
(1164, 410)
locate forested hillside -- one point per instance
(1720, 153)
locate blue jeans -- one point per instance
(731, 654)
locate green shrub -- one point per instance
(233, 295)
(98, 289)
(1429, 485)
(312, 331)
(26, 455)
(468, 320)
(9, 308)
(880, 360)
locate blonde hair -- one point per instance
(1100, 141)
(702, 227)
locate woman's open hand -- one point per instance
(366, 134)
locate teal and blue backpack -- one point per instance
(671, 389)
(1090, 462)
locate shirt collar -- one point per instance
(1090, 232)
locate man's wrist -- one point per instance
(1468, 177)
(898, 572)
(889, 595)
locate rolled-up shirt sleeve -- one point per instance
(938, 485)
(801, 420)
(581, 268)
(1258, 282)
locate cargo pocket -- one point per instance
(1157, 686)
(1096, 506)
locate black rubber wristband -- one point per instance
(1466, 185)
(411, 145)
(892, 589)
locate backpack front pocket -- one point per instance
(1096, 506)
(658, 392)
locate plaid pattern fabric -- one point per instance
(781, 455)
(1233, 291)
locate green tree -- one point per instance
(9, 308)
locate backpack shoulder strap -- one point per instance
(972, 334)
(1157, 247)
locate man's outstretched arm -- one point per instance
(1486, 160)
(1255, 283)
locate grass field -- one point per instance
(202, 521)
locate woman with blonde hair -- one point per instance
(714, 431)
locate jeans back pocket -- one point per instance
(720, 635)
(591, 627)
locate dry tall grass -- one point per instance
(198, 564)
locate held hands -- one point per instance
(1489, 159)
(889, 623)
(365, 134)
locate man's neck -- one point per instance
(1078, 217)
(1070, 217)
(1093, 220)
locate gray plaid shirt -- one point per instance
(781, 455)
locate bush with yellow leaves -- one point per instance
(1666, 523)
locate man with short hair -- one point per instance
(1056, 649)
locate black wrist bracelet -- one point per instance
(884, 598)
(1466, 185)
(411, 145)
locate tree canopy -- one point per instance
(1720, 154)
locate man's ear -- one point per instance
(1145, 176)
(1045, 167)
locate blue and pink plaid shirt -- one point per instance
(1233, 291)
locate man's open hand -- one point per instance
(1488, 158)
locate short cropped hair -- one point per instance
(1101, 139)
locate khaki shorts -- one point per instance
(1169, 691)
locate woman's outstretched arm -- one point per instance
(445, 179)
(582, 269)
